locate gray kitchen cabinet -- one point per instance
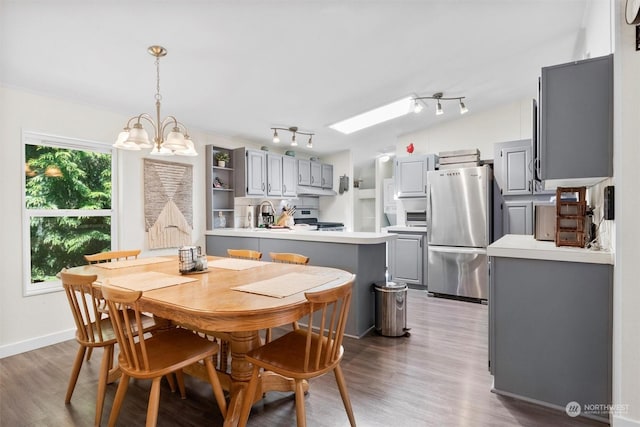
(257, 173)
(327, 175)
(517, 217)
(576, 120)
(289, 176)
(411, 175)
(513, 165)
(316, 174)
(274, 175)
(304, 172)
(406, 258)
(550, 330)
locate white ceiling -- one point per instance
(240, 67)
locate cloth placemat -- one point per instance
(235, 263)
(285, 285)
(132, 262)
(147, 281)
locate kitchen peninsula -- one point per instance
(363, 254)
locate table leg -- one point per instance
(241, 343)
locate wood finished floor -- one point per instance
(436, 377)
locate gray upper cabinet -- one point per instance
(513, 169)
(274, 174)
(316, 174)
(411, 175)
(304, 172)
(576, 120)
(289, 176)
(255, 173)
(327, 176)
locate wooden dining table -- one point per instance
(210, 301)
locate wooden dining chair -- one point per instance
(289, 258)
(93, 329)
(308, 352)
(244, 253)
(112, 256)
(286, 258)
(153, 357)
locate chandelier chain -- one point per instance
(158, 96)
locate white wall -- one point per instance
(478, 130)
(21, 318)
(626, 348)
(340, 207)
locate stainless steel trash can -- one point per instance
(391, 309)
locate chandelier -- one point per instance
(294, 130)
(418, 106)
(135, 137)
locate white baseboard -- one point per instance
(35, 343)
(620, 421)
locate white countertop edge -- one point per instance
(405, 229)
(526, 247)
(359, 238)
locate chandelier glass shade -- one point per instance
(135, 137)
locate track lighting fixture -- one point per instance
(418, 106)
(294, 130)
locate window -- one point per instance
(67, 206)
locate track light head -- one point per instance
(276, 138)
(417, 106)
(463, 108)
(439, 111)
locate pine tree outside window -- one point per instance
(68, 206)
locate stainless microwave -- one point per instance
(416, 218)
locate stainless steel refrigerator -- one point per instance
(458, 231)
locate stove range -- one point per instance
(320, 225)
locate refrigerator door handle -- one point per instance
(429, 209)
(457, 250)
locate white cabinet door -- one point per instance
(289, 176)
(256, 173)
(411, 176)
(327, 176)
(406, 255)
(518, 217)
(274, 174)
(316, 174)
(304, 172)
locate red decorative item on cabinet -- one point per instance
(410, 148)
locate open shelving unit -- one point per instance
(220, 189)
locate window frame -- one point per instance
(42, 139)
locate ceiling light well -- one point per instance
(377, 115)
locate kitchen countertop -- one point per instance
(525, 246)
(354, 238)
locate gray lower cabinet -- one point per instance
(366, 261)
(517, 217)
(406, 258)
(550, 330)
